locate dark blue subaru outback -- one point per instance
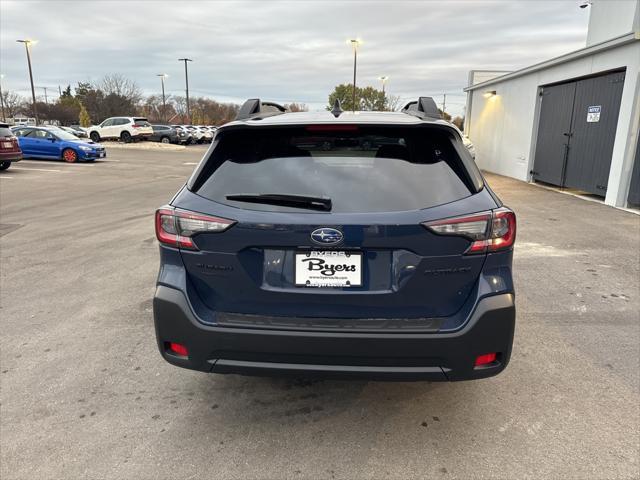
(337, 244)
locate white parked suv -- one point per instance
(208, 134)
(124, 128)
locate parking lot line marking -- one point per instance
(36, 169)
(4, 176)
(190, 163)
(29, 161)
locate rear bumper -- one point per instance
(378, 356)
(10, 156)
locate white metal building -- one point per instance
(571, 121)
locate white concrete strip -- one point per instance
(4, 176)
(36, 169)
(39, 162)
(144, 146)
(190, 163)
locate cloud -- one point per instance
(284, 51)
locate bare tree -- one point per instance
(458, 121)
(13, 102)
(179, 104)
(393, 103)
(118, 84)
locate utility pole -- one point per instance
(46, 100)
(164, 103)
(384, 79)
(59, 91)
(2, 98)
(444, 104)
(355, 42)
(186, 81)
(27, 43)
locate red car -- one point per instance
(9, 149)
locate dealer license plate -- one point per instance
(329, 268)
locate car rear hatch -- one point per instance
(350, 240)
(141, 126)
(8, 141)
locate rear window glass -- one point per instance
(5, 132)
(361, 169)
(142, 122)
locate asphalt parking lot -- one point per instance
(85, 394)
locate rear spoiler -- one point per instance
(424, 107)
(255, 108)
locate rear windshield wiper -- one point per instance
(285, 200)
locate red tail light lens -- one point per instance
(175, 227)
(486, 359)
(177, 349)
(503, 229)
(492, 231)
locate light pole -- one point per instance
(2, 98)
(186, 81)
(355, 42)
(164, 103)
(383, 79)
(27, 43)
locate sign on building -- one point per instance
(593, 113)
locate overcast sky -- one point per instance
(283, 51)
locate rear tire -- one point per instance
(95, 136)
(125, 137)
(4, 165)
(165, 140)
(69, 155)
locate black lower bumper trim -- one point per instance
(375, 355)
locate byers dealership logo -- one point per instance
(326, 236)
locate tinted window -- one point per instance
(5, 132)
(39, 134)
(64, 135)
(141, 121)
(361, 170)
(21, 132)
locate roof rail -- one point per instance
(255, 108)
(424, 107)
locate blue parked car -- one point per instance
(55, 143)
(281, 255)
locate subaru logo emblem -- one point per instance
(326, 236)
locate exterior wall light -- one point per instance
(489, 94)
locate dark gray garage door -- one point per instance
(576, 132)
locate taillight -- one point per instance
(489, 231)
(176, 228)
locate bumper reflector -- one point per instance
(486, 359)
(177, 349)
